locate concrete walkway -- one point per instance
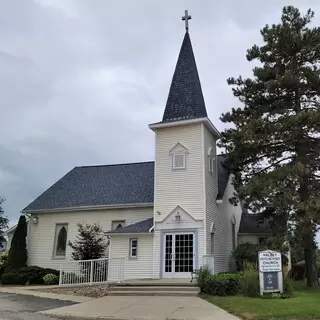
(143, 308)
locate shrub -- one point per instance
(226, 284)
(18, 252)
(246, 253)
(250, 281)
(3, 261)
(202, 278)
(287, 287)
(4, 257)
(51, 278)
(12, 278)
(28, 275)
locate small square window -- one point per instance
(179, 161)
(60, 241)
(133, 254)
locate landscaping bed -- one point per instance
(85, 291)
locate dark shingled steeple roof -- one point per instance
(185, 100)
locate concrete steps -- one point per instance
(149, 290)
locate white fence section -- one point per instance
(208, 261)
(89, 272)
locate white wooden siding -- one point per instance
(179, 187)
(139, 268)
(211, 188)
(41, 240)
(223, 237)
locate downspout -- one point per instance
(153, 250)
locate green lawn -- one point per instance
(304, 305)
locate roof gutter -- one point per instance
(85, 208)
(205, 120)
(254, 233)
(127, 233)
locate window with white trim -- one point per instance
(117, 224)
(179, 161)
(60, 241)
(133, 253)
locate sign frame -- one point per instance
(270, 266)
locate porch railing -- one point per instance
(208, 261)
(89, 272)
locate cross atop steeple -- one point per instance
(186, 19)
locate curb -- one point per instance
(46, 295)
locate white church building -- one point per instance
(164, 218)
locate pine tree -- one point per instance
(90, 243)
(273, 145)
(3, 222)
(18, 255)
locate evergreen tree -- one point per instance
(274, 143)
(3, 222)
(90, 243)
(18, 255)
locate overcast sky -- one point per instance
(81, 80)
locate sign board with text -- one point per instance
(270, 271)
(270, 261)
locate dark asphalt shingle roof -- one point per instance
(120, 184)
(254, 223)
(139, 227)
(131, 183)
(185, 100)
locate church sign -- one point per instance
(270, 271)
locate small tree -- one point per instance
(18, 254)
(90, 243)
(3, 222)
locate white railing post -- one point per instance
(122, 269)
(91, 272)
(119, 271)
(60, 275)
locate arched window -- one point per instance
(117, 224)
(61, 240)
(211, 160)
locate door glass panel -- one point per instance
(183, 253)
(168, 253)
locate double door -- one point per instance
(179, 255)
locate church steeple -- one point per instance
(185, 100)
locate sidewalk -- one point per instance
(143, 308)
(31, 291)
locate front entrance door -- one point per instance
(179, 253)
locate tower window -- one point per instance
(179, 161)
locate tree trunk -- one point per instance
(310, 262)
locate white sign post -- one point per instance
(270, 271)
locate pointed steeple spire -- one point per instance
(185, 100)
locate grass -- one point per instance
(304, 305)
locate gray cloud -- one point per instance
(81, 80)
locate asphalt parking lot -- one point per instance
(23, 307)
